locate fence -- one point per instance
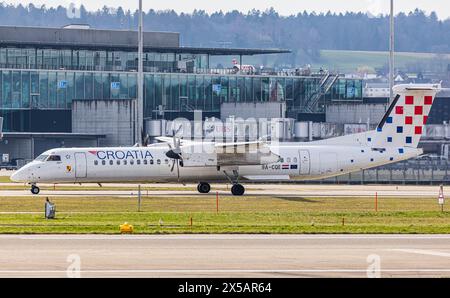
(420, 172)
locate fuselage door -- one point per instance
(304, 162)
(80, 165)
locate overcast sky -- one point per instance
(284, 7)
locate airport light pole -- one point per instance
(140, 82)
(391, 52)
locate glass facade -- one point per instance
(26, 89)
(34, 79)
(101, 60)
(172, 92)
(346, 90)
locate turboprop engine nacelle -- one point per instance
(229, 155)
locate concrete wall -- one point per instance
(247, 110)
(355, 113)
(86, 37)
(114, 118)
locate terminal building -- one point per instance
(55, 80)
(77, 86)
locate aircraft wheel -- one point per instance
(203, 187)
(238, 190)
(35, 190)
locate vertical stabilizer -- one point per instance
(404, 122)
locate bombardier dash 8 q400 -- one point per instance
(395, 139)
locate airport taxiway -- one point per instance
(225, 256)
(314, 190)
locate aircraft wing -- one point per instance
(170, 141)
(164, 139)
(232, 154)
(242, 147)
(198, 154)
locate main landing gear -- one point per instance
(35, 190)
(237, 190)
(203, 187)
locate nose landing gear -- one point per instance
(35, 190)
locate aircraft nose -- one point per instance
(18, 176)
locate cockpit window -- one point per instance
(41, 157)
(54, 158)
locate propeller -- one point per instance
(175, 154)
(145, 138)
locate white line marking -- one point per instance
(224, 237)
(233, 271)
(424, 252)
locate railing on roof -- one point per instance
(154, 69)
(261, 72)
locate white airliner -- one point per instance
(395, 139)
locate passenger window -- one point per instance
(138, 161)
(103, 162)
(96, 162)
(158, 161)
(124, 162)
(131, 162)
(288, 159)
(166, 161)
(295, 160)
(54, 158)
(118, 162)
(281, 159)
(111, 162)
(145, 162)
(151, 161)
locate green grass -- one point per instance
(349, 61)
(237, 215)
(5, 179)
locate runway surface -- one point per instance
(251, 189)
(225, 256)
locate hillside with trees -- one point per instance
(304, 33)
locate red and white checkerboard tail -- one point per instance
(404, 122)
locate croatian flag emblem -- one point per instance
(285, 167)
